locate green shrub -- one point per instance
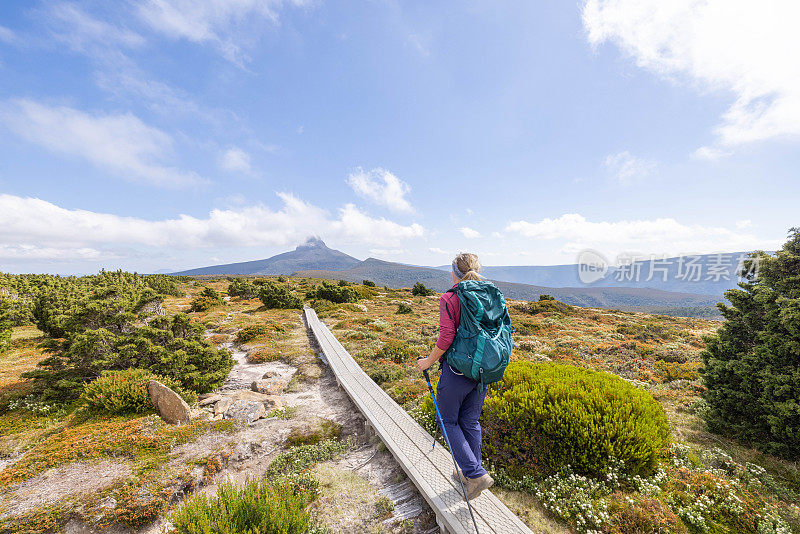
(166, 285)
(544, 296)
(303, 457)
(544, 416)
(278, 296)
(263, 507)
(546, 305)
(249, 333)
(368, 283)
(343, 283)
(173, 347)
(751, 372)
(404, 308)
(419, 290)
(125, 392)
(5, 324)
(333, 293)
(397, 351)
(243, 288)
(207, 299)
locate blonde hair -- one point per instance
(468, 264)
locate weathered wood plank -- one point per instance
(430, 469)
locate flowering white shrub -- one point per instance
(576, 499)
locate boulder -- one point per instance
(244, 410)
(204, 396)
(269, 374)
(222, 405)
(210, 400)
(169, 405)
(268, 387)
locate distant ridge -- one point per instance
(313, 254)
(708, 274)
(397, 275)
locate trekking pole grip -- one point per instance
(425, 372)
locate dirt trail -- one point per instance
(369, 473)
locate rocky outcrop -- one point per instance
(268, 387)
(169, 405)
(245, 411)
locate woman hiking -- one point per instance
(460, 394)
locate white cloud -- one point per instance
(235, 160)
(7, 35)
(229, 24)
(31, 222)
(120, 143)
(84, 33)
(387, 251)
(627, 169)
(469, 233)
(437, 250)
(738, 47)
(28, 252)
(381, 187)
(664, 235)
(710, 153)
(745, 223)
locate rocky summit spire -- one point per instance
(313, 241)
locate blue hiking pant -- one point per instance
(460, 401)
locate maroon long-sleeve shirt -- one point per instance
(449, 315)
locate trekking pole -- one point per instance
(447, 441)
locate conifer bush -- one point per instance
(243, 288)
(278, 296)
(5, 324)
(543, 417)
(207, 299)
(125, 392)
(752, 364)
(419, 290)
(334, 293)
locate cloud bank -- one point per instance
(737, 47)
(31, 228)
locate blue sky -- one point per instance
(148, 134)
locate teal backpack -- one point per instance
(483, 343)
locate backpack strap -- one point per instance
(446, 307)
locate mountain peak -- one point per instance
(313, 241)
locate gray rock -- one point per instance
(247, 411)
(210, 400)
(269, 374)
(169, 405)
(268, 387)
(243, 451)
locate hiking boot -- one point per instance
(457, 473)
(475, 486)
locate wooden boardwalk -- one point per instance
(430, 469)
